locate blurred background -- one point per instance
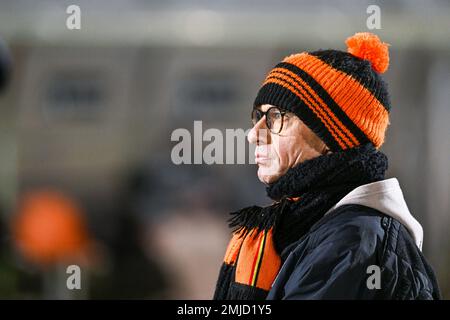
(86, 176)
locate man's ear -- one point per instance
(314, 141)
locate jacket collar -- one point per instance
(385, 196)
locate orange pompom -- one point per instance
(368, 46)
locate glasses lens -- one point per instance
(274, 120)
(256, 116)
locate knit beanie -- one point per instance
(339, 95)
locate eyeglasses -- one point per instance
(274, 118)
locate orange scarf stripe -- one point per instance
(355, 100)
(318, 113)
(233, 248)
(258, 263)
(270, 265)
(329, 113)
(245, 263)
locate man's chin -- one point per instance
(266, 176)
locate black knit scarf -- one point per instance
(302, 196)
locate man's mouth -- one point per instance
(260, 159)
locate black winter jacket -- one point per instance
(341, 255)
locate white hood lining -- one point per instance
(385, 196)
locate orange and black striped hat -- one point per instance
(339, 95)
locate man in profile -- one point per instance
(319, 120)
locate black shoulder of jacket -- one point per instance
(405, 269)
(344, 224)
(363, 236)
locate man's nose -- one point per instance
(259, 134)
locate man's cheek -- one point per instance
(272, 168)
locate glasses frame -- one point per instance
(265, 114)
